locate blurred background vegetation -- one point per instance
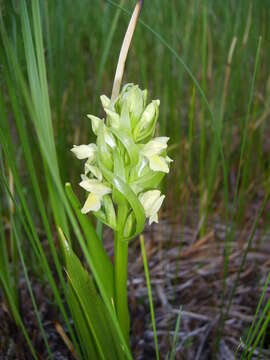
(181, 50)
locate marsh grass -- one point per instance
(208, 64)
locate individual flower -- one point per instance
(153, 152)
(85, 151)
(96, 191)
(151, 201)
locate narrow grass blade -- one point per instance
(147, 277)
(41, 327)
(175, 335)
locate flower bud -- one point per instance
(146, 126)
(105, 101)
(104, 152)
(129, 225)
(134, 99)
(109, 211)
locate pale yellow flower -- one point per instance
(85, 151)
(97, 190)
(151, 201)
(152, 151)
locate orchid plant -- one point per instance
(122, 171)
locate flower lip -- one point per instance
(92, 203)
(158, 163)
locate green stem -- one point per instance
(120, 274)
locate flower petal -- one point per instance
(92, 203)
(158, 203)
(95, 187)
(85, 151)
(168, 159)
(158, 163)
(155, 146)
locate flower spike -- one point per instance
(126, 164)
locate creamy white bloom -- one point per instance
(158, 163)
(94, 186)
(152, 151)
(85, 151)
(151, 201)
(92, 203)
(97, 190)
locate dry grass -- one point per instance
(195, 283)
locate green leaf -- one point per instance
(84, 335)
(91, 311)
